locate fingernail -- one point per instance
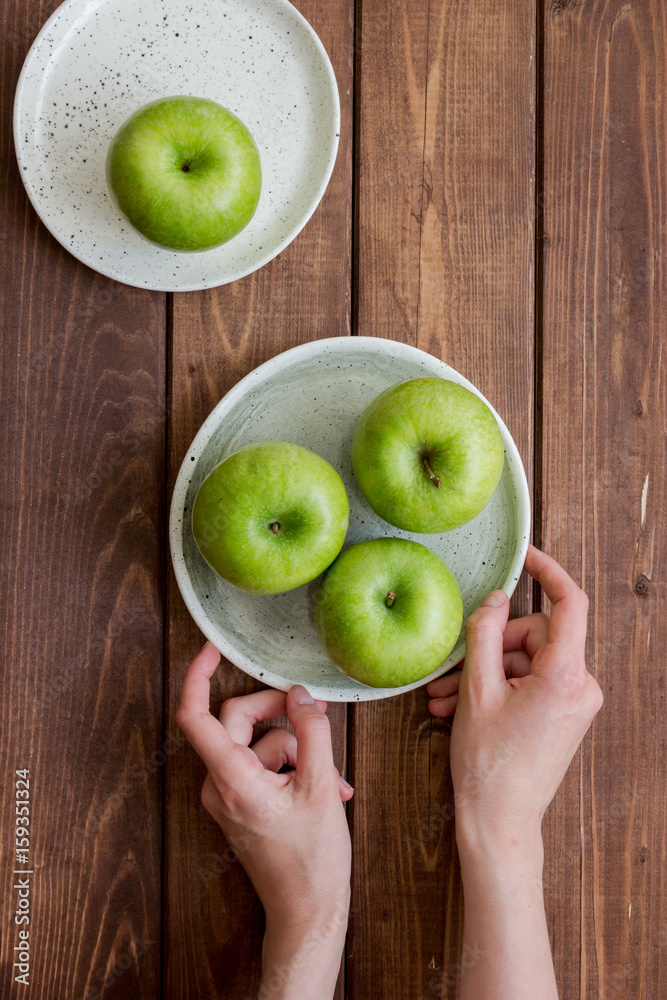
(495, 599)
(346, 783)
(301, 696)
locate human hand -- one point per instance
(288, 830)
(522, 705)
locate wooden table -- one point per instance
(499, 200)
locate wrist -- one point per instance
(292, 922)
(505, 935)
(302, 958)
(499, 848)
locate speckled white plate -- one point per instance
(96, 61)
(314, 395)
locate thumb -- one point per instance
(314, 756)
(484, 640)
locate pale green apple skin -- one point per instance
(273, 482)
(191, 209)
(383, 646)
(440, 420)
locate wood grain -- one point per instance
(603, 476)
(450, 100)
(213, 922)
(445, 158)
(81, 521)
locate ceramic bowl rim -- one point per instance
(184, 286)
(282, 362)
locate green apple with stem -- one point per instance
(185, 172)
(427, 454)
(388, 611)
(271, 517)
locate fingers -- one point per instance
(207, 736)
(529, 633)
(239, 715)
(444, 686)
(444, 694)
(279, 747)
(517, 663)
(275, 749)
(484, 642)
(345, 789)
(443, 707)
(521, 640)
(554, 581)
(567, 623)
(313, 734)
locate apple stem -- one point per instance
(275, 527)
(430, 473)
(391, 597)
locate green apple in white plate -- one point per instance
(271, 517)
(427, 454)
(388, 612)
(185, 172)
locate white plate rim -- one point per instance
(64, 8)
(257, 375)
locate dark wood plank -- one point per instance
(81, 520)
(445, 235)
(603, 476)
(213, 922)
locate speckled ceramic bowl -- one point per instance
(314, 395)
(96, 61)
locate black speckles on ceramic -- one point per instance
(314, 395)
(94, 63)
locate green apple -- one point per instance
(427, 455)
(388, 612)
(271, 517)
(185, 172)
